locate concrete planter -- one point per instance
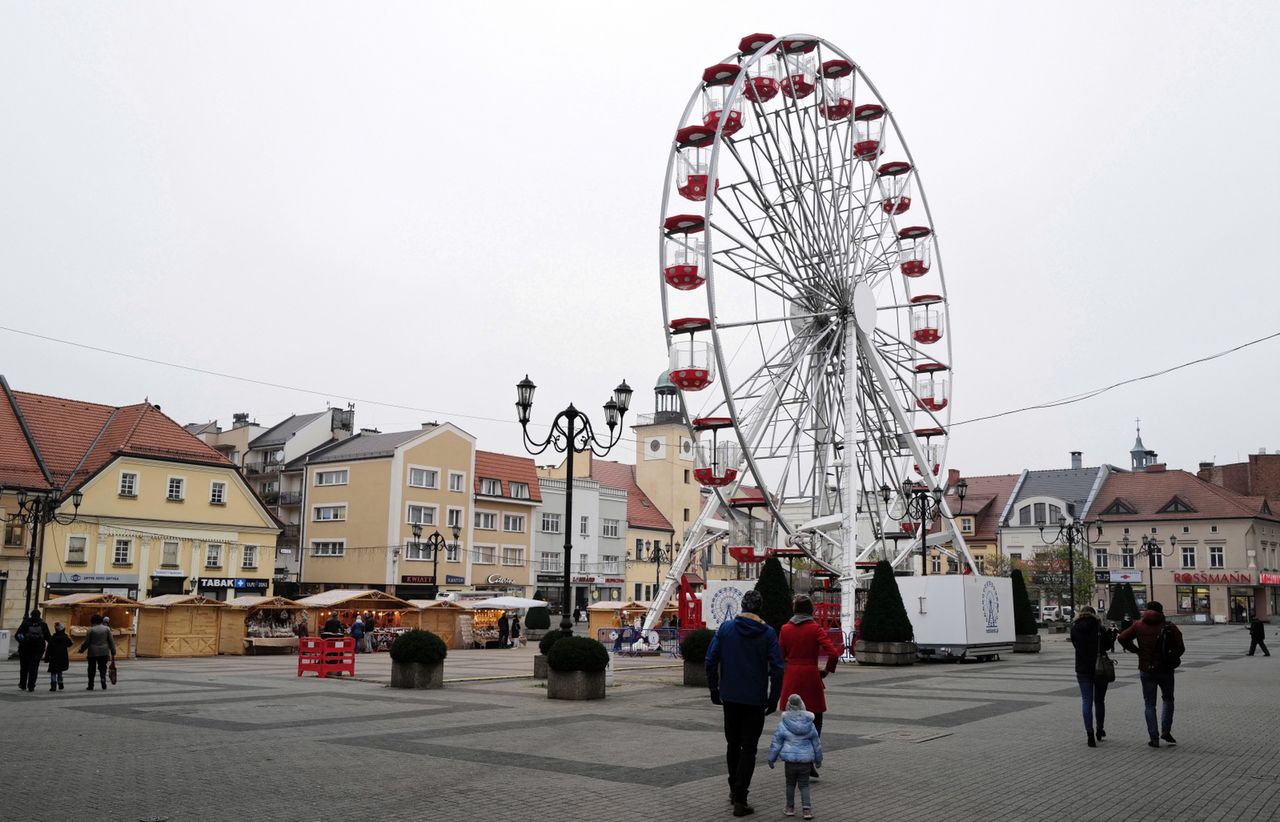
(539, 666)
(575, 685)
(884, 653)
(695, 674)
(1026, 644)
(416, 675)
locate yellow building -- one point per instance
(506, 494)
(160, 511)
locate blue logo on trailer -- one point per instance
(726, 604)
(991, 607)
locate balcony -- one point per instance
(288, 537)
(257, 469)
(290, 498)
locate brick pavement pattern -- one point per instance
(244, 738)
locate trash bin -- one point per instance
(4, 645)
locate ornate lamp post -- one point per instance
(38, 510)
(1151, 547)
(571, 433)
(436, 542)
(923, 507)
(1072, 532)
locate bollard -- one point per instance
(608, 673)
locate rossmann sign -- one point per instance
(1222, 578)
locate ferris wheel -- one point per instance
(806, 314)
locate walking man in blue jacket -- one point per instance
(744, 672)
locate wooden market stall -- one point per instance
(447, 620)
(75, 610)
(392, 616)
(255, 624)
(602, 615)
(179, 625)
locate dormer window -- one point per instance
(490, 487)
(1119, 507)
(1177, 505)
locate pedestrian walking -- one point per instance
(803, 641)
(1257, 633)
(504, 630)
(744, 672)
(1092, 641)
(515, 630)
(99, 647)
(368, 632)
(357, 633)
(58, 655)
(302, 629)
(1159, 646)
(332, 628)
(797, 743)
(33, 633)
(577, 615)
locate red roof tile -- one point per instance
(641, 512)
(507, 469)
(1147, 493)
(985, 501)
(18, 464)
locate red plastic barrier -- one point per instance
(327, 656)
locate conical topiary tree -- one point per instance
(1115, 611)
(775, 589)
(1131, 604)
(885, 617)
(1024, 619)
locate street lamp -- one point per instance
(435, 542)
(1070, 532)
(924, 507)
(38, 510)
(1151, 547)
(571, 433)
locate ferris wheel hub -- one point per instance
(864, 307)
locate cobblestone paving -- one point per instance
(244, 738)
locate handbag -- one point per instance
(1104, 669)
(111, 672)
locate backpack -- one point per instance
(1168, 650)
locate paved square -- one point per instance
(235, 738)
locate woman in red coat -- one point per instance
(802, 641)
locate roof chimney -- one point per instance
(1077, 459)
(1155, 468)
(370, 431)
(240, 420)
(953, 477)
(429, 425)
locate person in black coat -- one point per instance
(1256, 634)
(33, 633)
(58, 655)
(1091, 638)
(504, 630)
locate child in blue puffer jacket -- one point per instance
(797, 744)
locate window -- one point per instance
(511, 555)
(421, 514)
(640, 549)
(519, 490)
(980, 560)
(1126, 556)
(486, 520)
(457, 481)
(550, 523)
(76, 549)
(1119, 506)
(269, 488)
(1014, 559)
(332, 548)
(490, 487)
(550, 561)
(935, 565)
(451, 552)
(1177, 505)
(639, 592)
(417, 550)
(686, 515)
(1157, 560)
(611, 564)
(249, 556)
(424, 478)
(329, 513)
(123, 552)
(1055, 514)
(485, 555)
(335, 477)
(1188, 556)
(724, 555)
(966, 525)
(1100, 558)
(128, 484)
(213, 555)
(175, 489)
(13, 534)
(454, 517)
(1192, 600)
(1040, 520)
(582, 564)
(513, 523)
(1024, 515)
(1215, 557)
(686, 476)
(609, 527)
(218, 493)
(584, 526)
(169, 554)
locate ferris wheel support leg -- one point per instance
(849, 551)
(698, 538)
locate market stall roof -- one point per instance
(436, 605)
(68, 600)
(352, 598)
(277, 603)
(507, 602)
(626, 605)
(165, 600)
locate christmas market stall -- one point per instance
(619, 614)
(179, 625)
(258, 624)
(447, 620)
(76, 610)
(392, 616)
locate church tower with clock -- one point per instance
(665, 458)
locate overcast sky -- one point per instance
(418, 203)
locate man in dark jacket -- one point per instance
(504, 630)
(744, 672)
(33, 633)
(1256, 634)
(1143, 638)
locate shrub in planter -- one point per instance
(1026, 637)
(886, 631)
(576, 669)
(417, 660)
(550, 638)
(693, 649)
(538, 619)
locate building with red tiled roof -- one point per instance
(160, 512)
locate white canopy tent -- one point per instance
(506, 603)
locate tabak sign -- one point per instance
(1222, 577)
(1269, 579)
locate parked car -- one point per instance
(1050, 613)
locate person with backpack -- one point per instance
(1257, 633)
(33, 633)
(1159, 646)
(1092, 641)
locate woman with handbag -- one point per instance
(1094, 669)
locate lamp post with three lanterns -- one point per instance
(38, 510)
(1151, 547)
(922, 506)
(435, 542)
(1072, 532)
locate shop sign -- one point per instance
(587, 579)
(239, 583)
(418, 580)
(92, 579)
(167, 572)
(1102, 576)
(451, 579)
(614, 580)
(1222, 578)
(1126, 576)
(499, 579)
(1268, 579)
